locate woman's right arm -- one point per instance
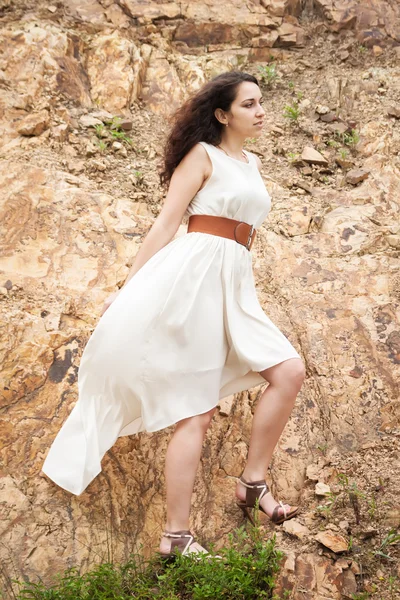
(188, 177)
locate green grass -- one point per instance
(246, 571)
(268, 74)
(292, 112)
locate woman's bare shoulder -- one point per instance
(197, 157)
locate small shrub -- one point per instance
(268, 74)
(100, 130)
(102, 145)
(246, 570)
(291, 112)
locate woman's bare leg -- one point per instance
(270, 417)
(181, 463)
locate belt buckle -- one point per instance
(248, 243)
(249, 238)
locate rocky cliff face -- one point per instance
(86, 89)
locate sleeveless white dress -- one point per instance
(184, 332)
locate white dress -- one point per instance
(184, 332)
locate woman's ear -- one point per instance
(220, 116)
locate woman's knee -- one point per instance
(206, 418)
(291, 373)
(201, 421)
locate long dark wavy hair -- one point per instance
(195, 121)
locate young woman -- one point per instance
(186, 329)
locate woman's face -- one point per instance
(246, 115)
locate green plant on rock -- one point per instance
(116, 130)
(268, 74)
(352, 138)
(292, 112)
(100, 130)
(343, 153)
(121, 135)
(353, 493)
(349, 139)
(115, 123)
(326, 509)
(102, 145)
(246, 570)
(292, 156)
(333, 143)
(391, 539)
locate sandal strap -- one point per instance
(178, 539)
(255, 490)
(177, 534)
(275, 514)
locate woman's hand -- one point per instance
(108, 301)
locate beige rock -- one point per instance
(322, 110)
(34, 124)
(394, 111)
(90, 11)
(151, 10)
(394, 241)
(374, 23)
(296, 222)
(226, 405)
(162, 90)
(344, 162)
(321, 577)
(356, 176)
(312, 156)
(60, 132)
(349, 585)
(333, 541)
(392, 517)
(89, 121)
(293, 527)
(116, 69)
(322, 489)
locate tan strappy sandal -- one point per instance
(184, 542)
(257, 490)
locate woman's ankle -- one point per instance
(176, 526)
(250, 476)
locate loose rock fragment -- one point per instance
(333, 541)
(322, 489)
(356, 176)
(34, 124)
(296, 529)
(312, 156)
(394, 111)
(89, 121)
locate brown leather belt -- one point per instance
(241, 232)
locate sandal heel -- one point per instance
(246, 512)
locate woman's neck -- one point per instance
(232, 144)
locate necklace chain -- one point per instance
(243, 153)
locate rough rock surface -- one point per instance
(75, 203)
